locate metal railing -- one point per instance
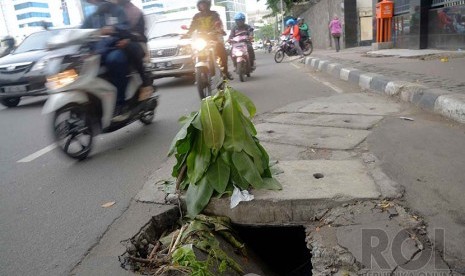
(437, 3)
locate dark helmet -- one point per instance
(208, 2)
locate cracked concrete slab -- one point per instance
(152, 191)
(309, 186)
(314, 137)
(342, 121)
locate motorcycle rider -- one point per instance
(111, 19)
(240, 26)
(136, 47)
(208, 21)
(304, 31)
(293, 30)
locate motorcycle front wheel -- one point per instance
(279, 56)
(308, 48)
(202, 81)
(72, 129)
(241, 71)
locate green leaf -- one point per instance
(250, 147)
(218, 175)
(244, 101)
(198, 159)
(265, 159)
(270, 184)
(246, 168)
(197, 197)
(249, 125)
(180, 160)
(181, 135)
(234, 129)
(238, 180)
(212, 124)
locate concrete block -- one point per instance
(293, 107)
(315, 62)
(452, 106)
(354, 76)
(334, 69)
(152, 191)
(322, 65)
(303, 195)
(382, 45)
(427, 98)
(352, 108)
(395, 87)
(314, 137)
(366, 79)
(379, 84)
(283, 152)
(408, 91)
(344, 75)
(328, 120)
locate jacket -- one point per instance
(206, 22)
(295, 33)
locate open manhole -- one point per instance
(281, 249)
(318, 175)
(271, 251)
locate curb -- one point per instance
(438, 101)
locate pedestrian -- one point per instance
(335, 27)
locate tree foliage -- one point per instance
(275, 5)
(267, 31)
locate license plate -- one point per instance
(15, 89)
(163, 65)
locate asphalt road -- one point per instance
(50, 206)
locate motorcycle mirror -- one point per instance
(184, 27)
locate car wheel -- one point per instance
(10, 102)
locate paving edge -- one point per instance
(439, 101)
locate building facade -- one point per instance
(20, 18)
(421, 24)
(232, 7)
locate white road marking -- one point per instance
(330, 85)
(37, 154)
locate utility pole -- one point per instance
(282, 16)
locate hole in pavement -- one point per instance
(270, 131)
(346, 121)
(282, 249)
(318, 175)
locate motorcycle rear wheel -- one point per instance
(202, 80)
(72, 129)
(279, 56)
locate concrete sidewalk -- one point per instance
(431, 79)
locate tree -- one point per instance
(267, 31)
(275, 5)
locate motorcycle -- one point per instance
(269, 47)
(81, 97)
(287, 48)
(240, 55)
(208, 75)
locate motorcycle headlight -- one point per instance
(185, 50)
(199, 44)
(39, 65)
(62, 79)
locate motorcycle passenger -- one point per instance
(240, 27)
(208, 21)
(304, 31)
(293, 30)
(136, 47)
(112, 21)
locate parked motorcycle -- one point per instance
(240, 55)
(82, 97)
(208, 76)
(287, 48)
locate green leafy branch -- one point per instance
(217, 149)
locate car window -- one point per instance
(36, 41)
(166, 28)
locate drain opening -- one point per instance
(318, 175)
(281, 249)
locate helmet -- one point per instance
(290, 22)
(239, 16)
(9, 41)
(300, 19)
(208, 2)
